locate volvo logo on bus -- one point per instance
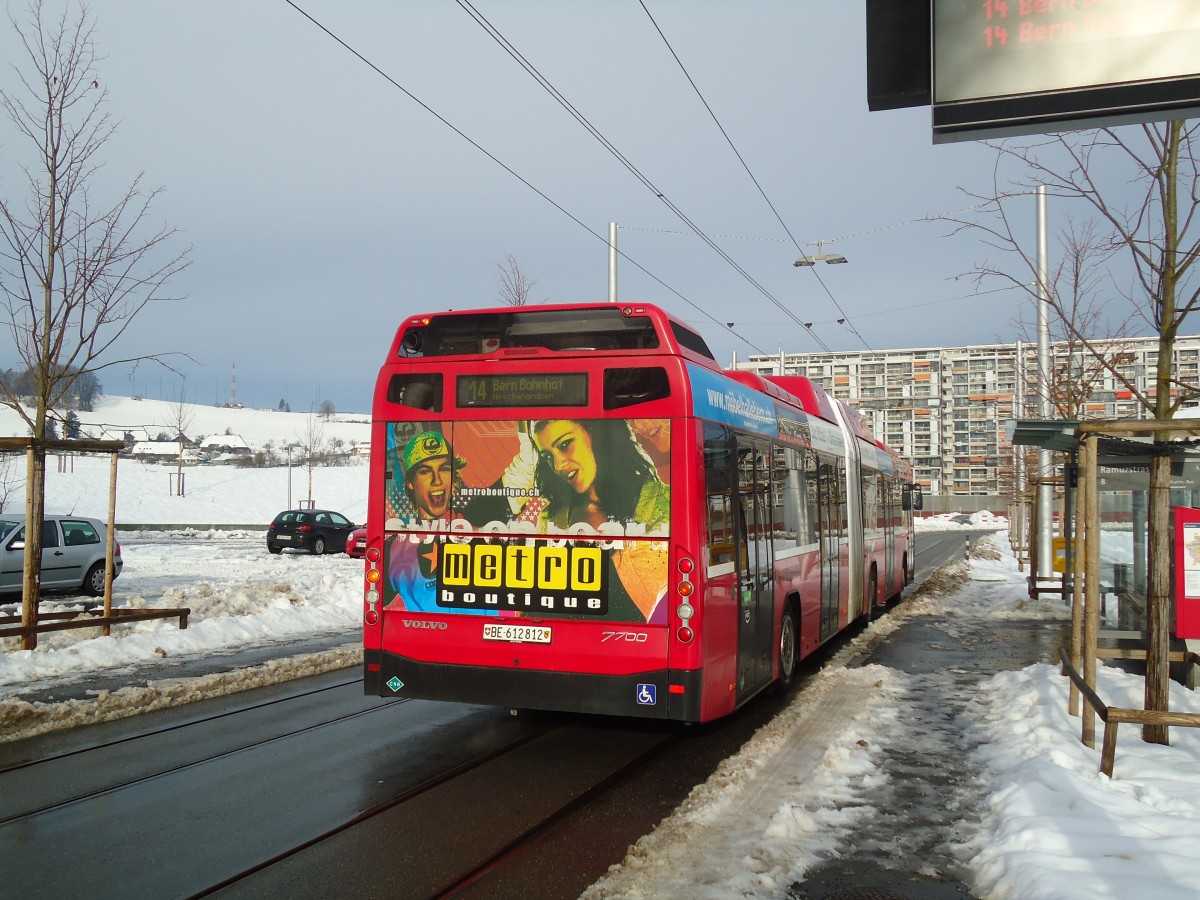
(424, 623)
(535, 579)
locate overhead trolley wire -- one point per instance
(514, 174)
(737, 153)
(545, 83)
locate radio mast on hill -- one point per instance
(233, 400)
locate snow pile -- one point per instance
(776, 807)
(239, 596)
(959, 521)
(19, 719)
(1055, 826)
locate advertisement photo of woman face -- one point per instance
(568, 447)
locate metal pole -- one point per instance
(110, 540)
(1045, 496)
(1019, 406)
(612, 262)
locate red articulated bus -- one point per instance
(574, 508)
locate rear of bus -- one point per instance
(526, 542)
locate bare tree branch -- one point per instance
(513, 287)
(74, 273)
(1141, 186)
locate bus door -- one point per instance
(830, 508)
(756, 565)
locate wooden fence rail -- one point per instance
(10, 626)
(1112, 716)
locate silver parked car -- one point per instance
(72, 553)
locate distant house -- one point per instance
(130, 435)
(360, 448)
(162, 451)
(225, 448)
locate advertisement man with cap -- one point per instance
(430, 470)
(429, 474)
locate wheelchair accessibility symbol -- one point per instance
(647, 694)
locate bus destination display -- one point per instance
(1006, 50)
(523, 389)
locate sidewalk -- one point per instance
(933, 797)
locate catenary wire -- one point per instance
(545, 83)
(845, 318)
(514, 174)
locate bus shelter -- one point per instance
(1106, 478)
(1122, 479)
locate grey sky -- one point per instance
(323, 204)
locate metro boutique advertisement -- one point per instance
(558, 517)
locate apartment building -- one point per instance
(945, 409)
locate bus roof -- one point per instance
(560, 328)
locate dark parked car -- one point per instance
(356, 544)
(315, 530)
(72, 553)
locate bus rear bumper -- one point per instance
(658, 694)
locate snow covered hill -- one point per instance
(213, 494)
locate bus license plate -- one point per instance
(517, 634)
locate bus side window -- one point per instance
(718, 460)
(798, 528)
(720, 529)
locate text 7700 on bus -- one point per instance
(574, 508)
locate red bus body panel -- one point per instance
(480, 591)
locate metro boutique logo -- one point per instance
(524, 578)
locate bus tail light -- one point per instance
(685, 587)
(373, 577)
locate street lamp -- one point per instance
(832, 259)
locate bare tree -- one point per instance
(312, 444)
(10, 478)
(180, 416)
(1141, 185)
(1090, 350)
(74, 271)
(513, 287)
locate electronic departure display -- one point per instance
(1022, 66)
(523, 389)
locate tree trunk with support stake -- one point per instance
(31, 585)
(1158, 598)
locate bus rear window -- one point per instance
(628, 387)
(557, 330)
(419, 390)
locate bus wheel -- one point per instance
(787, 652)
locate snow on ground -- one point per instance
(239, 596)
